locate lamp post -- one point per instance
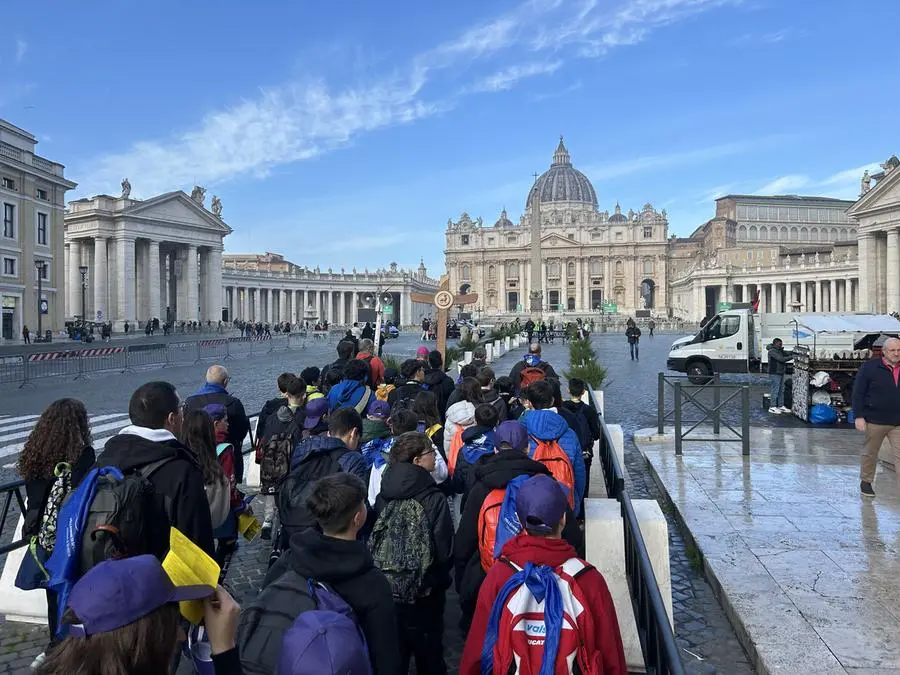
(40, 266)
(84, 270)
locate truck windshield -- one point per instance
(722, 326)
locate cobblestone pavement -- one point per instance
(702, 631)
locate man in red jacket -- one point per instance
(541, 508)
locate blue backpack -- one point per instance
(373, 451)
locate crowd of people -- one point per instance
(379, 490)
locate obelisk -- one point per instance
(537, 293)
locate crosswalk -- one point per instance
(14, 432)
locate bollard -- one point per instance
(489, 351)
(507, 342)
(745, 420)
(717, 401)
(661, 404)
(678, 419)
(467, 358)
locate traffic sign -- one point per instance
(723, 307)
(610, 307)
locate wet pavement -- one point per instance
(808, 569)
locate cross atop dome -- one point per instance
(561, 156)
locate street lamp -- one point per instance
(40, 266)
(84, 270)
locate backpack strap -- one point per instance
(147, 470)
(364, 401)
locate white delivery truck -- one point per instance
(736, 340)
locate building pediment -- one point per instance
(554, 239)
(178, 208)
(884, 194)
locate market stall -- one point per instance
(823, 373)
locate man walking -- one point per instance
(651, 325)
(26, 335)
(778, 359)
(633, 333)
(876, 402)
(216, 391)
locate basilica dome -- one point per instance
(563, 183)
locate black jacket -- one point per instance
(267, 410)
(337, 365)
(633, 333)
(493, 397)
(407, 390)
(178, 483)
(579, 426)
(588, 414)
(491, 473)
(778, 359)
(347, 567)
(410, 481)
(238, 423)
(279, 421)
(442, 385)
(37, 492)
(876, 398)
(516, 373)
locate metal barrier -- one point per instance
(138, 356)
(663, 415)
(181, 353)
(12, 369)
(213, 349)
(661, 654)
(8, 492)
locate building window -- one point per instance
(511, 240)
(570, 270)
(9, 221)
(512, 271)
(465, 273)
(845, 234)
(9, 267)
(783, 233)
(596, 269)
(464, 240)
(42, 238)
(571, 237)
(803, 214)
(648, 267)
(804, 234)
(753, 214)
(763, 233)
(742, 232)
(793, 234)
(754, 235)
(490, 241)
(596, 235)
(619, 268)
(814, 234)
(648, 231)
(773, 213)
(43, 271)
(553, 270)
(492, 272)
(42, 194)
(618, 236)
(742, 212)
(9, 184)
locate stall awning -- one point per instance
(851, 323)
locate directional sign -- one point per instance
(443, 300)
(723, 307)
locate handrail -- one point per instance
(10, 490)
(661, 654)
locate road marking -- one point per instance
(29, 425)
(23, 429)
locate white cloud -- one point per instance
(842, 185)
(785, 185)
(509, 77)
(21, 49)
(300, 120)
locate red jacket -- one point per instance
(226, 461)
(376, 366)
(554, 552)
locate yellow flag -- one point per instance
(188, 565)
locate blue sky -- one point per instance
(347, 133)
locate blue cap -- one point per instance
(513, 433)
(541, 504)
(317, 643)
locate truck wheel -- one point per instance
(699, 373)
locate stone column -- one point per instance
(545, 294)
(342, 308)
(214, 286)
(405, 307)
(101, 276)
(892, 271)
(193, 284)
(832, 295)
(74, 278)
(283, 305)
(819, 296)
(867, 281)
(140, 275)
(270, 305)
(153, 281)
(125, 272)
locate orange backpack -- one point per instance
(550, 454)
(530, 375)
(488, 517)
(455, 446)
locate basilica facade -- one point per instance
(590, 259)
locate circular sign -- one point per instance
(45, 306)
(443, 300)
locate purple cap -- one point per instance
(315, 410)
(116, 593)
(541, 504)
(379, 409)
(317, 643)
(216, 410)
(513, 433)
(422, 351)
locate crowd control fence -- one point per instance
(661, 654)
(76, 362)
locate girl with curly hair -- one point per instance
(61, 436)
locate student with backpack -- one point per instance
(591, 420)
(531, 369)
(400, 422)
(281, 433)
(341, 569)
(507, 392)
(150, 449)
(376, 365)
(273, 404)
(413, 374)
(437, 380)
(311, 376)
(352, 391)
(315, 421)
(55, 458)
(475, 547)
(487, 379)
(199, 436)
(552, 441)
(317, 457)
(124, 618)
(226, 534)
(383, 392)
(345, 352)
(477, 442)
(525, 619)
(425, 405)
(412, 543)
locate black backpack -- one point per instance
(125, 518)
(295, 517)
(275, 458)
